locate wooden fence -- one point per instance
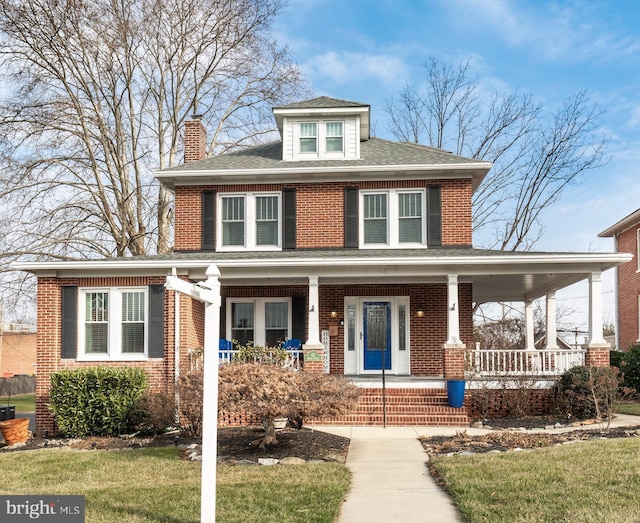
(17, 385)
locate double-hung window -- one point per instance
(262, 321)
(250, 221)
(113, 323)
(334, 137)
(309, 137)
(392, 218)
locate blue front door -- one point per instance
(377, 335)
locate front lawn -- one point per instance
(589, 482)
(630, 407)
(154, 485)
(23, 402)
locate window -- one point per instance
(375, 218)
(113, 324)
(308, 137)
(262, 321)
(250, 221)
(638, 248)
(233, 220)
(334, 137)
(410, 217)
(393, 218)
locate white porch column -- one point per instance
(314, 312)
(596, 336)
(551, 321)
(529, 335)
(453, 307)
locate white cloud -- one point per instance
(345, 68)
(554, 30)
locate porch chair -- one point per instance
(225, 345)
(294, 358)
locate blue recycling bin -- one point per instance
(455, 393)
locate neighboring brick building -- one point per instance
(17, 349)
(359, 247)
(626, 236)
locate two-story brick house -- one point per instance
(626, 236)
(359, 247)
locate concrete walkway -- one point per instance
(390, 479)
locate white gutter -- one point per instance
(458, 261)
(297, 169)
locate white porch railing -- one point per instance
(522, 362)
(293, 360)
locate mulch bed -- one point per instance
(520, 433)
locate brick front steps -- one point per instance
(404, 407)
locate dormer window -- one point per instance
(334, 137)
(309, 137)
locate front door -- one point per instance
(377, 335)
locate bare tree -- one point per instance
(535, 155)
(93, 99)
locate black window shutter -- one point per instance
(208, 220)
(156, 321)
(434, 216)
(69, 322)
(289, 219)
(351, 217)
(299, 318)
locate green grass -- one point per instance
(630, 407)
(589, 482)
(23, 403)
(154, 485)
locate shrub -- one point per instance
(270, 391)
(95, 401)
(190, 397)
(589, 392)
(153, 413)
(615, 358)
(630, 367)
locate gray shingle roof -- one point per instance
(374, 152)
(322, 102)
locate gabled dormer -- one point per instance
(322, 129)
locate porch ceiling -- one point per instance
(496, 275)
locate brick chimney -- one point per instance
(195, 139)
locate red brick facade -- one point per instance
(326, 200)
(628, 290)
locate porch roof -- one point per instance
(496, 275)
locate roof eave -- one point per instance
(477, 171)
(622, 225)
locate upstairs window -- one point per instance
(233, 223)
(375, 218)
(250, 221)
(113, 324)
(308, 137)
(392, 218)
(334, 137)
(638, 248)
(410, 217)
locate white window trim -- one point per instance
(393, 220)
(114, 350)
(321, 140)
(249, 222)
(259, 327)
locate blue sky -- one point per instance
(367, 51)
